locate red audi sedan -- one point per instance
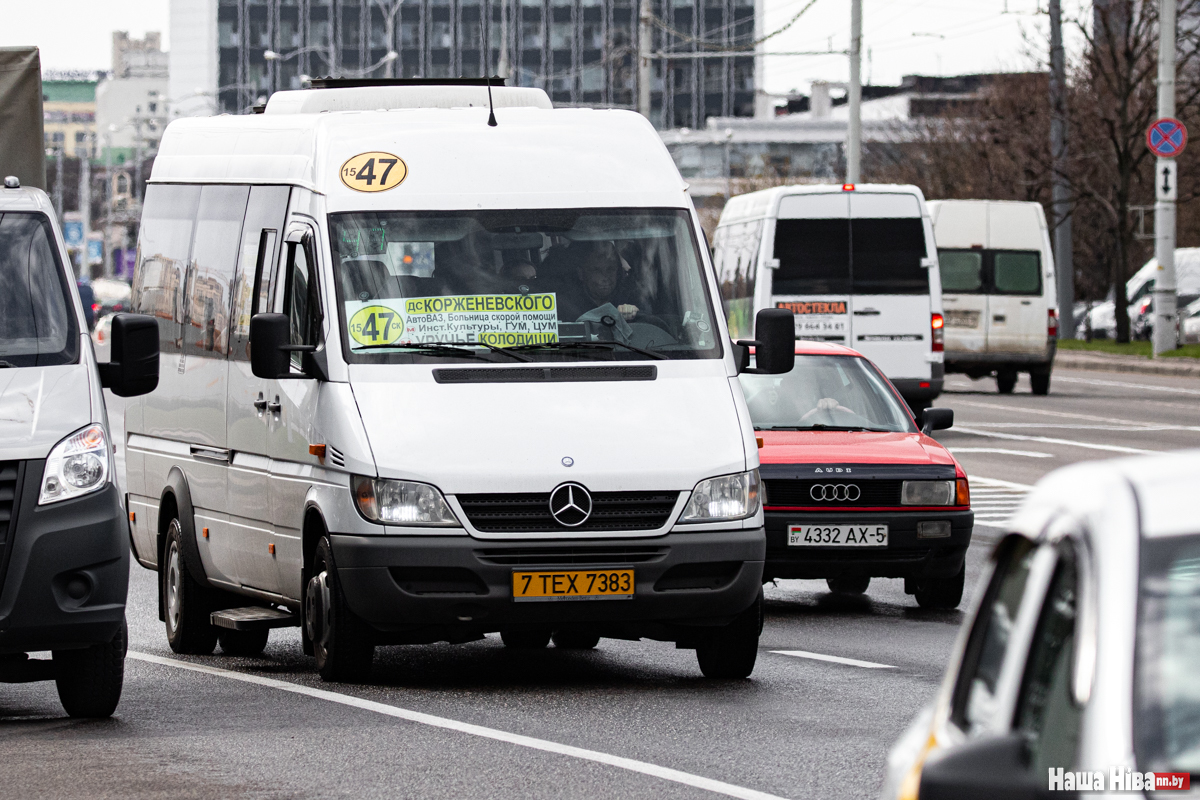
(854, 488)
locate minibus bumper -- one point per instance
(64, 569)
(905, 556)
(416, 588)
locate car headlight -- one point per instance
(401, 502)
(77, 465)
(928, 493)
(724, 498)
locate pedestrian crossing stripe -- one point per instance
(995, 501)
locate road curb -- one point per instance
(1106, 362)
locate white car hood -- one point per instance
(39, 406)
(664, 434)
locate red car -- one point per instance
(854, 489)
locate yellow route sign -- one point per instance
(376, 325)
(373, 172)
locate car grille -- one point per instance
(570, 556)
(530, 513)
(8, 507)
(785, 492)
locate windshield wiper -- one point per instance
(7, 365)
(822, 427)
(449, 348)
(610, 346)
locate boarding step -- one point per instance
(254, 618)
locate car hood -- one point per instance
(39, 406)
(632, 435)
(851, 447)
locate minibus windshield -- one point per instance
(521, 285)
(38, 326)
(826, 393)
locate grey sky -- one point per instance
(978, 35)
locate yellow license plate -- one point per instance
(587, 584)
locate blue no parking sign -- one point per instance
(1166, 137)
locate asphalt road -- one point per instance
(630, 719)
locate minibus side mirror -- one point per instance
(936, 419)
(775, 345)
(132, 369)
(271, 347)
(995, 768)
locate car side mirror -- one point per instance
(936, 419)
(991, 768)
(132, 369)
(271, 347)
(775, 345)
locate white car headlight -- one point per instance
(725, 498)
(927, 493)
(77, 465)
(402, 502)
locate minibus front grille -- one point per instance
(571, 556)
(530, 513)
(647, 372)
(790, 493)
(8, 509)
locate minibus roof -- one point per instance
(533, 158)
(765, 202)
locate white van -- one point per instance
(424, 376)
(998, 289)
(854, 263)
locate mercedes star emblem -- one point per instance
(570, 505)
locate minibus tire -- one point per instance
(1040, 380)
(343, 646)
(575, 640)
(729, 653)
(942, 594)
(192, 632)
(89, 680)
(1006, 381)
(525, 640)
(849, 585)
(242, 643)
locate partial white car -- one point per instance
(1097, 582)
(1189, 324)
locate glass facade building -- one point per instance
(582, 52)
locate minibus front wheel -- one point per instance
(186, 602)
(342, 643)
(730, 652)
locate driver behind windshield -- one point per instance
(596, 276)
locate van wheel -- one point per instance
(1006, 381)
(342, 643)
(525, 640)
(942, 594)
(185, 601)
(730, 652)
(575, 640)
(89, 680)
(242, 643)
(1040, 381)
(849, 585)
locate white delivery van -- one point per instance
(998, 290)
(426, 378)
(856, 264)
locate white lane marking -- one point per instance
(1001, 451)
(853, 662)
(1048, 413)
(653, 770)
(996, 483)
(1147, 386)
(994, 500)
(1112, 448)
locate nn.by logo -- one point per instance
(1119, 779)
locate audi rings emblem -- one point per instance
(570, 505)
(835, 491)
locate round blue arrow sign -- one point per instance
(1166, 137)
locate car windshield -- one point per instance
(536, 284)
(1167, 721)
(825, 393)
(38, 326)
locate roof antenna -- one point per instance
(491, 108)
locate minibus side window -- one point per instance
(300, 302)
(164, 247)
(735, 250)
(214, 258)
(259, 254)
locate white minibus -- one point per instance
(998, 289)
(856, 264)
(426, 378)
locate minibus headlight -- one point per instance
(77, 465)
(928, 493)
(724, 498)
(401, 502)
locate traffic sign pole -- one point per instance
(1165, 335)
